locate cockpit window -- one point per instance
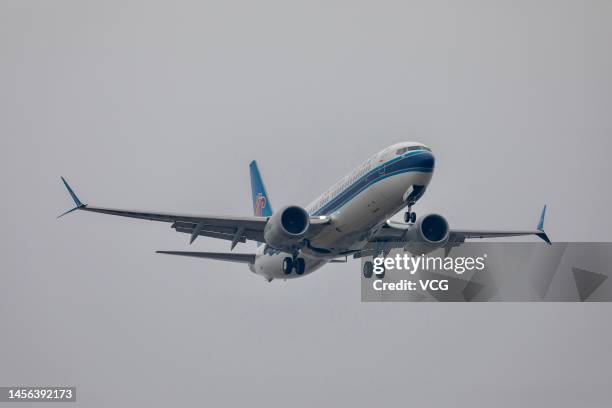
(411, 148)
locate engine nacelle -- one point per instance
(433, 228)
(287, 227)
(428, 234)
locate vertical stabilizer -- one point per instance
(261, 201)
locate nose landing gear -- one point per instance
(409, 216)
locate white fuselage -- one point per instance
(357, 206)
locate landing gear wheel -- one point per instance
(287, 265)
(409, 216)
(300, 266)
(368, 269)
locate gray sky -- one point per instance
(162, 105)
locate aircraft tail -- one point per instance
(261, 202)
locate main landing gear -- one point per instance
(368, 270)
(296, 263)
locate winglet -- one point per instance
(542, 234)
(541, 223)
(76, 200)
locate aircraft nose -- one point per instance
(426, 160)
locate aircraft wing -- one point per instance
(234, 229)
(392, 235)
(462, 235)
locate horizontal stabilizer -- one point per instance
(220, 256)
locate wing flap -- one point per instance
(212, 234)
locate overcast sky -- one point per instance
(161, 106)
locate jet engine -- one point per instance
(287, 227)
(433, 228)
(429, 233)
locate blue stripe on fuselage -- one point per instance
(419, 161)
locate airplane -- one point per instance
(352, 218)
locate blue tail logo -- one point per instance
(261, 202)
